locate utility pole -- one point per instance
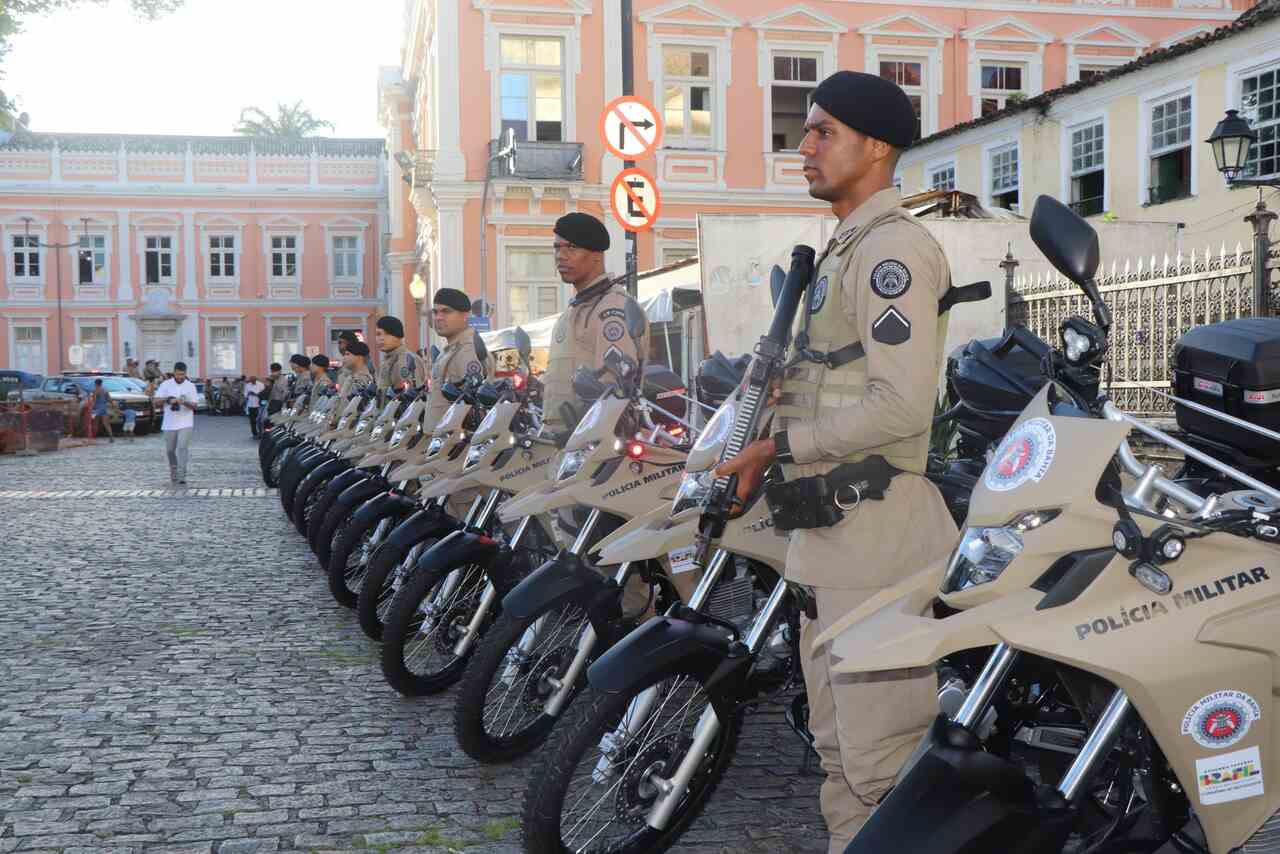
(629, 88)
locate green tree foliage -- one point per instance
(290, 122)
(14, 12)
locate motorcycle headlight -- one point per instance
(488, 421)
(396, 437)
(572, 461)
(984, 553)
(694, 487)
(475, 452)
(436, 444)
(717, 429)
(590, 419)
(448, 415)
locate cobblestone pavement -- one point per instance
(175, 677)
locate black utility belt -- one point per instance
(822, 500)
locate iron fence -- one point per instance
(1152, 304)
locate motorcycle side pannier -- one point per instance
(1233, 367)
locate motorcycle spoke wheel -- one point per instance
(523, 682)
(440, 623)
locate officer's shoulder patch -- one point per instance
(891, 327)
(818, 296)
(474, 369)
(559, 332)
(890, 279)
(612, 312)
(613, 330)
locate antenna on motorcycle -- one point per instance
(1071, 246)
(777, 278)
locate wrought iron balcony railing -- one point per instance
(556, 161)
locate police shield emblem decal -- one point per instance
(890, 279)
(819, 295)
(891, 327)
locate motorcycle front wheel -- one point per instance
(594, 785)
(428, 617)
(499, 715)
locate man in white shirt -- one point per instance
(253, 398)
(178, 397)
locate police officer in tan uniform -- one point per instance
(320, 373)
(463, 357)
(345, 339)
(355, 370)
(594, 324)
(855, 417)
(400, 368)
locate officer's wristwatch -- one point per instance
(782, 447)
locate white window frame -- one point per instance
(922, 91)
(505, 245)
(1068, 130)
(530, 72)
(34, 322)
(94, 231)
(936, 166)
(1236, 72)
(571, 57)
(284, 251)
(820, 52)
(170, 281)
(223, 252)
(26, 287)
(1080, 63)
(995, 147)
(721, 78)
(82, 323)
(920, 29)
(12, 253)
(718, 96)
(1146, 103)
(274, 321)
(217, 320)
(357, 251)
(1001, 96)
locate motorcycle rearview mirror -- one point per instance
(777, 278)
(451, 392)
(637, 323)
(524, 346)
(488, 395)
(1071, 245)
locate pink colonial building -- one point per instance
(227, 253)
(732, 81)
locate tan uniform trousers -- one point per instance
(864, 726)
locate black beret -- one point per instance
(391, 325)
(583, 230)
(452, 298)
(275, 366)
(870, 105)
(348, 335)
(300, 360)
(358, 348)
(320, 361)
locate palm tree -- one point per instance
(291, 122)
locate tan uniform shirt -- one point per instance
(399, 369)
(591, 327)
(354, 382)
(458, 361)
(889, 295)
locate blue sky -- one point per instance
(100, 70)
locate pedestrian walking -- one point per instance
(178, 395)
(99, 404)
(253, 399)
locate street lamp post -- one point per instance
(418, 290)
(1231, 142)
(57, 274)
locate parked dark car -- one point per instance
(127, 393)
(31, 385)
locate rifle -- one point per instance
(766, 364)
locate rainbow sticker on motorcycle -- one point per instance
(1220, 719)
(1025, 454)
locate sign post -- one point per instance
(631, 128)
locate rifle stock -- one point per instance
(766, 364)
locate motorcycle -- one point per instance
(310, 489)
(1130, 619)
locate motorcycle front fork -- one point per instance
(1092, 752)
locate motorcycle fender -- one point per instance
(647, 537)
(371, 461)
(958, 798)
(344, 479)
(563, 578)
(360, 492)
(653, 648)
(431, 523)
(442, 486)
(382, 504)
(322, 470)
(896, 627)
(460, 548)
(535, 501)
